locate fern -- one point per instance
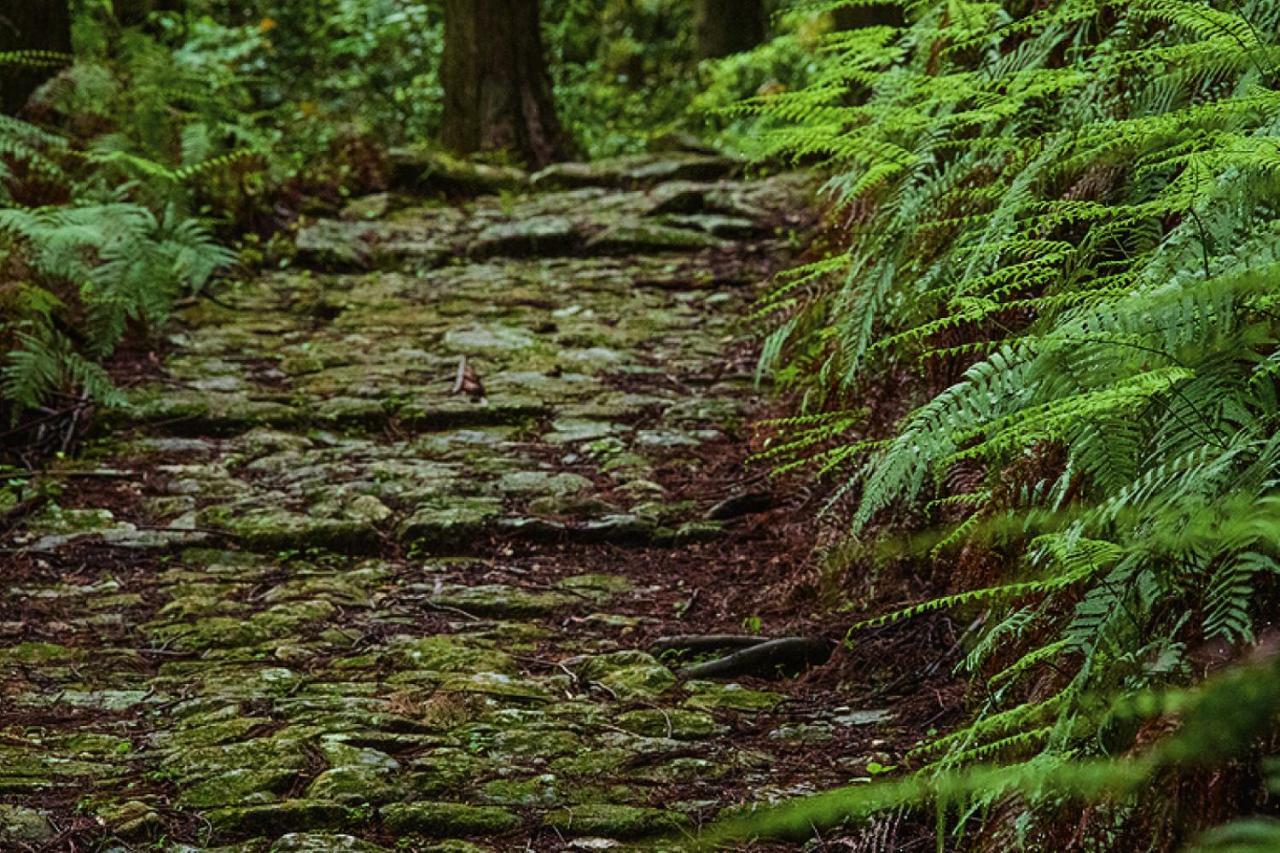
(1075, 204)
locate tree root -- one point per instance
(766, 659)
(698, 643)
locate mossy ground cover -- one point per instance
(304, 597)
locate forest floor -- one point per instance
(304, 596)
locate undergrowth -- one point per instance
(1061, 220)
(100, 229)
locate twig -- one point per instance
(460, 380)
(451, 609)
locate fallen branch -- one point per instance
(789, 654)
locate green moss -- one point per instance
(351, 786)
(501, 601)
(669, 722)
(614, 821)
(441, 820)
(286, 816)
(708, 695)
(592, 762)
(20, 827)
(239, 787)
(524, 793)
(38, 654)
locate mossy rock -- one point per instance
(614, 821)
(627, 674)
(279, 530)
(282, 752)
(671, 723)
(351, 786)
(450, 523)
(596, 582)
(503, 602)
(131, 819)
(540, 791)
(453, 655)
(637, 237)
(497, 684)
(442, 820)
(710, 696)
(286, 816)
(323, 842)
(634, 170)
(20, 827)
(592, 763)
(445, 771)
(537, 235)
(242, 786)
(537, 744)
(38, 654)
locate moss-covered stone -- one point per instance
(596, 582)
(21, 826)
(627, 674)
(263, 529)
(540, 791)
(651, 237)
(537, 743)
(670, 722)
(281, 817)
(634, 170)
(710, 696)
(239, 787)
(527, 483)
(442, 820)
(295, 694)
(538, 235)
(281, 752)
(444, 524)
(351, 786)
(502, 601)
(592, 763)
(451, 655)
(614, 821)
(131, 819)
(445, 771)
(498, 685)
(38, 654)
(323, 842)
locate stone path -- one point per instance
(308, 598)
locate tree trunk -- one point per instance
(728, 26)
(131, 13)
(30, 25)
(497, 91)
(876, 15)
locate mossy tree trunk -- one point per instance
(30, 25)
(728, 26)
(497, 91)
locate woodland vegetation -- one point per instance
(1029, 358)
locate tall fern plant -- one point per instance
(96, 232)
(1073, 207)
(89, 270)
